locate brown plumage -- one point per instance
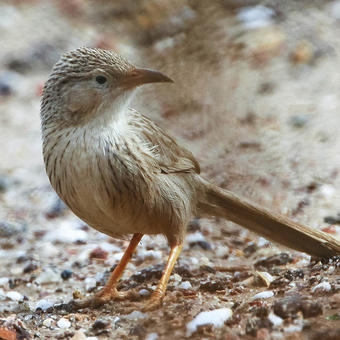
(123, 174)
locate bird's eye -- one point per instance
(101, 79)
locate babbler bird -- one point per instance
(122, 174)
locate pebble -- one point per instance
(100, 324)
(327, 192)
(79, 335)
(144, 292)
(44, 304)
(66, 274)
(265, 278)
(136, 315)
(48, 322)
(67, 232)
(255, 17)
(185, 285)
(287, 306)
(2, 294)
(47, 250)
(278, 260)
(216, 317)
(275, 320)
(299, 121)
(4, 281)
(90, 283)
(144, 254)
(195, 237)
(151, 336)
(263, 295)
(63, 323)
(323, 286)
(48, 276)
(15, 296)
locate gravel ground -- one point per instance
(256, 99)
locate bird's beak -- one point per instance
(141, 76)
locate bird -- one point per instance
(125, 176)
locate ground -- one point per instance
(256, 98)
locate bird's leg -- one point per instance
(109, 291)
(157, 296)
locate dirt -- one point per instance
(257, 102)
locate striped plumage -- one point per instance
(122, 174)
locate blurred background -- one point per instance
(256, 98)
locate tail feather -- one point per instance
(273, 226)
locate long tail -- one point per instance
(223, 203)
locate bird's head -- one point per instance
(88, 82)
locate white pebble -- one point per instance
(195, 237)
(44, 304)
(327, 192)
(144, 254)
(275, 320)
(144, 292)
(90, 283)
(4, 281)
(151, 336)
(216, 317)
(48, 276)
(47, 249)
(47, 322)
(15, 296)
(63, 323)
(67, 232)
(185, 285)
(325, 286)
(263, 295)
(254, 17)
(2, 294)
(135, 315)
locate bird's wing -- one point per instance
(167, 156)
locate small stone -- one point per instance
(278, 260)
(216, 318)
(214, 285)
(299, 121)
(48, 276)
(79, 335)
(98, 254)
(48, 322)
(311, 309)
(30, 268)
(44, 304)
(66, 274)
(264, 278)
(136, 315)
(144, 292)
(323, 286)
(275, 320)
(90, 283)
(151, 336)
(100, 324)
(256, 16)
(263, 295)
(287, 306)
(303, 53)
(185, 285)
(63, 323)
(4, 281)
(15, 296)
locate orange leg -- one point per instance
(109, 291)
(158, 295)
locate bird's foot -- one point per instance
(101, 298)
(153, 303)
